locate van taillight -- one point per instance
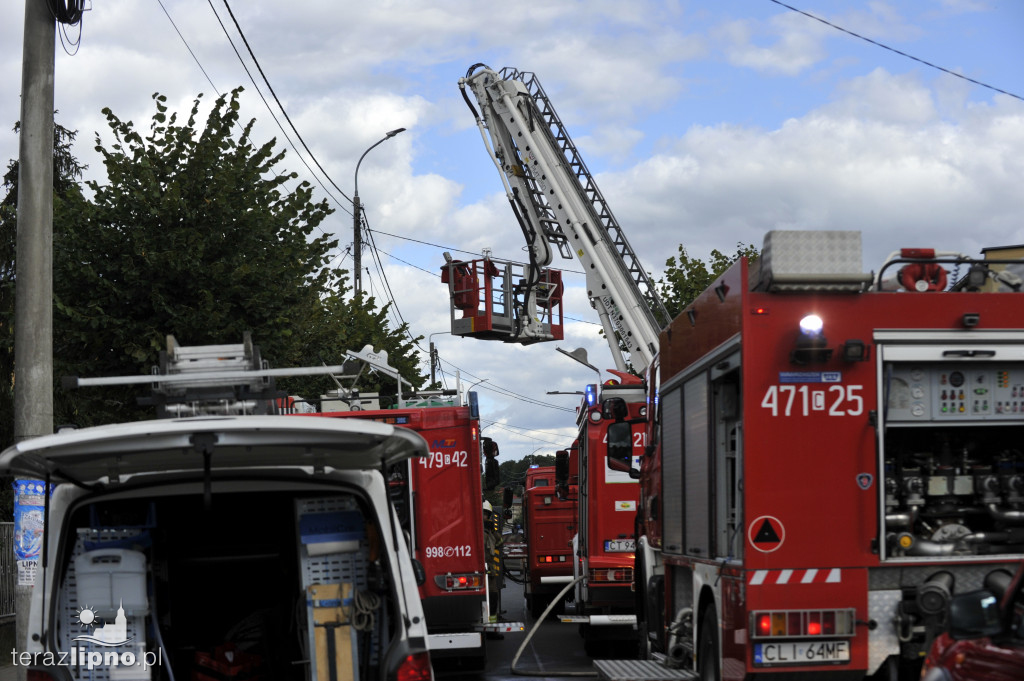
(37, 675)
(415, 668)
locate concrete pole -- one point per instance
(33, 301)
(357, 243)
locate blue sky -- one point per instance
(705, 123)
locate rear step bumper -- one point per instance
(640, 670)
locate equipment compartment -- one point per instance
(228, 572)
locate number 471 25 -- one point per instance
(792, 400)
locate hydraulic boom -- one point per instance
(558, 205)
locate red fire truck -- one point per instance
(603, 600)
(559, 206)
(440, 501)
(832, 456)
(549, 521)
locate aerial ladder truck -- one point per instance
(559, 207)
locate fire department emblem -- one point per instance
(864, 480)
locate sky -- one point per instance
(706, 124)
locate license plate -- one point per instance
(801, 652)
(619, 545)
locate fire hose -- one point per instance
(540, 620)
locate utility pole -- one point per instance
(33, 300)
(357, 217)
(357, 240)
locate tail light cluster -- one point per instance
(415, 667)
(460, 582)
(551, 559)
(611, 575)
(803, 623)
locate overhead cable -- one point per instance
(892, 49)
(274, 94)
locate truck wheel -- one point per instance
(707, 648)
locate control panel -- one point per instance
(927, 392)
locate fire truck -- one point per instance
(831, 456)
(549, 518)
(439, 501)
(559, 207)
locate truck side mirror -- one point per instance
(562, 467)
(506, 501)
(492, 474)
(562, 474)
(620, 446)
(974, 615)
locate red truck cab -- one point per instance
(550, 523)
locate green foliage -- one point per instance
(513, 474)
(340, 324)
(685, 277)
(195, 234)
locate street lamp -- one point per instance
(470, 388)
(580, 355)
(482, 380)
(357, 239)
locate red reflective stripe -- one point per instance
(795, 577)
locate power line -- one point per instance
(274, 94)
(892, 49)
(524, 428)
(271, 111)
(387, 284)
(452, 248)
(505, 392)
(189, 48)
(217, 90)
(505, 427)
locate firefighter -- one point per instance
(492, 544)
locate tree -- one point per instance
(513, 474)
(67, 172)
(685, 277)
(195, 234)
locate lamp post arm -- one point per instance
(357, 242)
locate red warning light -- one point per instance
(765, 624)
(759, 310)
(813, 628)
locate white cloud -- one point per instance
(878, 159)
(794, 44)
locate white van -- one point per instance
(223, 548)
